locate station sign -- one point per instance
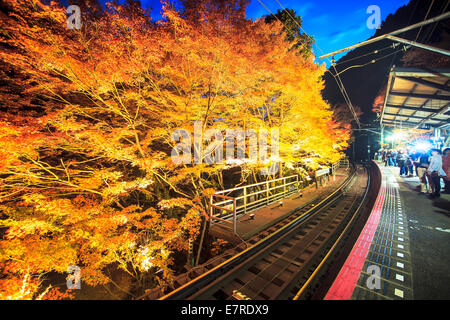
(322, 172)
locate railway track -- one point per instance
(283, 259)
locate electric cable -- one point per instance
(431, 31)
(395, 55)
(426, 16)
(375, 60)
(370, 53)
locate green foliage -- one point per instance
(292, 23)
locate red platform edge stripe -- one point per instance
(345, 282)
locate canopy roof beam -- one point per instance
(398, 124)
(419, 45)
(431, 116)
(428, 100)
(420, 72)
(407, 116)
(427, 83)
(429, 110)
(421, 95)
(417, 25)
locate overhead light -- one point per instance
(422, 146)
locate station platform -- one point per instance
(403, 251)
(267, 216)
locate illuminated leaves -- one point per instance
(175, 202)
(20, 229)
(87, 178)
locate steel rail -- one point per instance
(253, 261)
(203, 280)
(336, 243)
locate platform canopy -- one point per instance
(417, 98)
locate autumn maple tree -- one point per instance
(86, 123)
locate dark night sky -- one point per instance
(334, 24)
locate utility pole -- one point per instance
(353, 149)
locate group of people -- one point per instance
(430, 167)
(401, 159)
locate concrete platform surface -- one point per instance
(429, 229)
(403, 252)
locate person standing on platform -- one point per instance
(401, 162)
(446, 168)
(435, 171)
(388, 158)
(416, 162)
(409, 166)
(422, 166)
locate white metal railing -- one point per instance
(334, 167)
(227, 205)
(344, 163)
